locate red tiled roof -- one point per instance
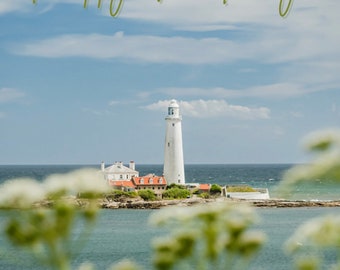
(119, 183)
(204, 187)
(149, 179)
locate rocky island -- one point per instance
(273, 203)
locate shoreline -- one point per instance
(268, 203)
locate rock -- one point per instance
(140, 204)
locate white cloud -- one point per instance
(205, 13)
(113, 102)
(153, 49)
(320, 75)
(175, 49)
(278, 90)
(10, 94)
(13, 5)
(213, 108)
(7, 6)
(238, 14)
(309, 33)
(306, 43)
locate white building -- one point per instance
(118, 171)
(173, 150)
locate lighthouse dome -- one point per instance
(173, 103)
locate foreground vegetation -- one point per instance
(207, 237)
(172, 192)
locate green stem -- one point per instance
(57, 258)
(289, 6)
(119, 7)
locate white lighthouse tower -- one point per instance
(173, 149)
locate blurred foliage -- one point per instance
(47, 232)
(322, 233)
(325, 166)
(209, 236)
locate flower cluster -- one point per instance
(321, 233)
(326, 166)
(23, 192)
(311, 238)
(207, 236)
(47, 233)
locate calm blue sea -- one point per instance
(123, 234)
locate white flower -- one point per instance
(320, 232)
(86, 266)
(58, 183)
(222, 211)
(79, 181)
(326, 165)
(89, 181)
(125, 265)
(322, 140)
(21, 193)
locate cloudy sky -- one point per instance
(78, 86)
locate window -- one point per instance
(168, 144)
(151, 181)
(142, 181)
(121, 176)
(173, 124)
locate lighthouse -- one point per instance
(173, 149)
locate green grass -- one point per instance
(240, 189)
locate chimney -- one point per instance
(132, 165)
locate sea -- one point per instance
(126, 233)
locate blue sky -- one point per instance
(78, 86)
